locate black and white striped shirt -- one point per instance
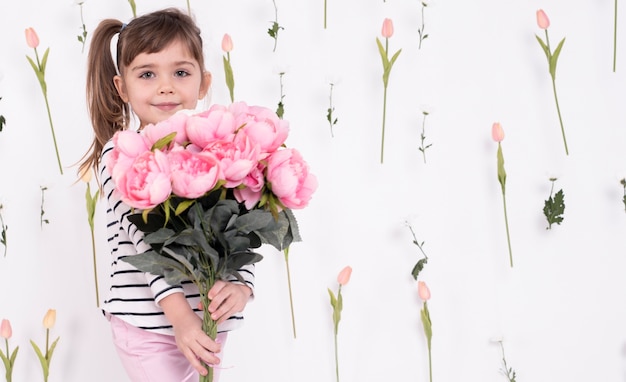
(134, 295)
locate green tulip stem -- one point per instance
(506, 222)
(293, 316)
(615, 37)
(558, 110)
(382, 145)
(95, 267)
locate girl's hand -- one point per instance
(227, 298)
(190, 338)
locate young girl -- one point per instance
(159, 70)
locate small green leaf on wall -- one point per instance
(554, 206)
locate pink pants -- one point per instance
(153, 357)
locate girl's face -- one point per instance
(157, 85)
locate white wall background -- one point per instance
(560, 310)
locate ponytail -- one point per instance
(107, 111)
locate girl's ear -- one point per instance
(121, 88)
(206, 84)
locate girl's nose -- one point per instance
(165, 87)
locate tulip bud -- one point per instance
(542, 19)
(387, 31)
(50, 318)
(86, 175)
(227, 43)
(5, 329)
(344, 276)
(496, 132)
(32, 40)
(423, 291)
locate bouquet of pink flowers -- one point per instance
(211, 187)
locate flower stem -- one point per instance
(209, 326)
(615, 37)
(325, 13)
(506, 221)
(293, 316)
(336, 358)
(188, 8)
(95, 268)
(558, 110)
(45, 95)
(382, 145)
(430, 362)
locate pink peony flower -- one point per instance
(254, 183)
(542, 19)
(423, 291)
(147, 182)
(193, 174)
(215, 124)
(128, 145)
(32, 40)
(262, 126)
(387, 30)
(344, 276)
(289, 178)
(237, 160)
(5, 329)
(227, 43)
(497, 133)
(175, 124)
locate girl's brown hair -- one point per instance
(149, 33)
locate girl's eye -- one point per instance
(147, 75)
(181, 73)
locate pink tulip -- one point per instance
(227, 43)
(387, 31)
(496, 132)
(344, 276)
(423, 291)
(542, 19)
(32, 40)
(5, 329)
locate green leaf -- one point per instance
(426, 323)
(230, 78)
(273, 31)
(238, 260)
(280, 110)
(153, 223)
(333, 299)
(155, 263)
(554, 208)
(553, 60)
(42, 360)
(3, 122)
(545, 48)
(5, 360)
(394, 58)
(44, 62)
(419, 267)
(51, 350)
(164, 142)
(501, 171)
(383, 54)
(34, 66)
